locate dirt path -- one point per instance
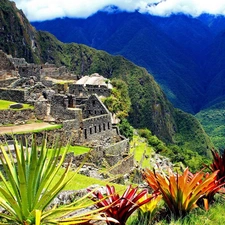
(25, 127)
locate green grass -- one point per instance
(215, 216)
(4, 105)
(77, 150)
(139, 146)
(81, 181)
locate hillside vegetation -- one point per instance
(213, 121)
(149, 105)
(183, 53)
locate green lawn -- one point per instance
(214, 216)
(5, 105)
(77, 150)
(81, 181)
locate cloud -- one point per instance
(37, 10)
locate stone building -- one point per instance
(77, 105)
(93, 84)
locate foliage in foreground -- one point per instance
(218, 164)
(121, 207)
(181, 193)
(27, 190)
(30, 181)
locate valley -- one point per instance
(183, 53)
(102, 120)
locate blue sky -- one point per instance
(37, 10)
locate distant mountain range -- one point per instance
(185, 55)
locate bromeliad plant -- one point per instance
(29, 183)
(120, 207)
(146, 212)
(182, 192)
(218, 164)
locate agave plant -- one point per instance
(29, 184)
(182, 192)
(120, 207)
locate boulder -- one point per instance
(16, 106)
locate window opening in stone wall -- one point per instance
(95, 129)
(90, 130)
(85, 133)
(108, 125)
(93, 103)
(70, 102)
(100, 128)
(103, 126)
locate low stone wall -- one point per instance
(14, 95)
(51, 135)
(117, 148)
(72, 124)
(124, 166)
(16, 116)
(7, 82)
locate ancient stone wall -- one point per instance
(124, 166)
(16, 116)
(118, 148)
(5, 63)
(81, 90)
(30, 70)
(97, 128)
(60, 109)
(17, 62)
(15, 95)
(101, 90)
(7, 82)
(94, 107)
(78, 90)
(72, 124)
(51, 136)
(42, 109)
(47, 83)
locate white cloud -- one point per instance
(49, 9)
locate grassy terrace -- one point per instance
(5, 105)
(139, 146)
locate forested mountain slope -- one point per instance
(150, 107)
(184, 54)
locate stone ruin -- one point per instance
(75, 104)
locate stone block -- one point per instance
(16, 106)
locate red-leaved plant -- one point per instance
(218, 164)
(120, 207)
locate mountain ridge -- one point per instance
(173, 49)
(149, 106)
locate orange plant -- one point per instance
(182, 192)
(120, 207)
